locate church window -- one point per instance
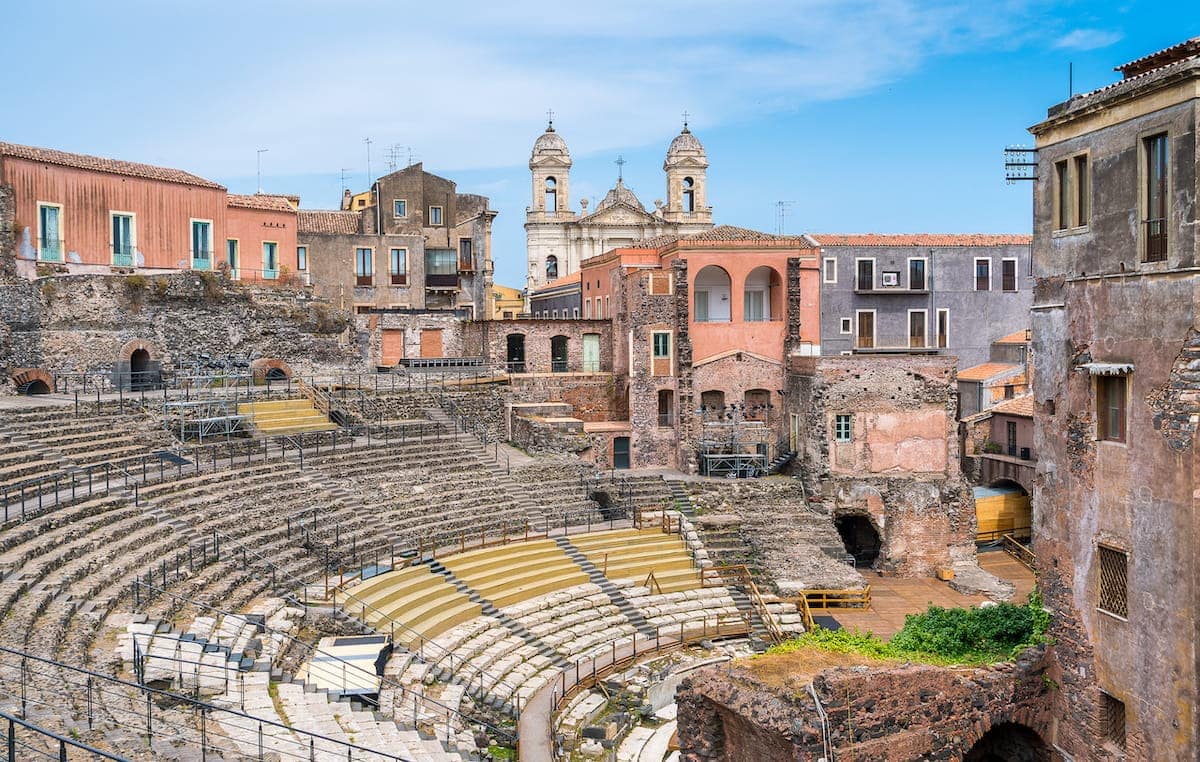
(689, 195)
(551, 194)
(551, 266)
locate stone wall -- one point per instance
(88, 322)
(8, 223)
(762, 709)
(413, 325)
(900, 467)
(592, 396)
(489, 338)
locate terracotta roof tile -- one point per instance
(263, 201)
(1160, 58)
(100, 164)
(987, 370)
(921, 239)
(1022, 406)
(566, 280)
(722, 233)
(327, 222)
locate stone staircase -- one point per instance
(291, 416)
(605, 584)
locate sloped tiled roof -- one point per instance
(1160, 58)
(1016, 337)
(921, 239)
(565, 282)
(1022, 406)
(263, 201)
(721, 233)
(100, 164)
(327, 222)
(987, 370)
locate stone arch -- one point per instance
(30, 381)
(270, 369)
(1008, 741)
(1005, 483)
(138, 366)
(136, 345)
(861, 538)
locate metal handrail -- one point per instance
(63, 741)
(192, 702)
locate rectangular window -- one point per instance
(122, 239)
(943, 329)
(983, 275)
(1008, 275)
(465, 261)
(575, 312)
(1083, 191)
(364, 267)
(50, 233)
(435, 215)
(599, 309)
(398, 266)
(1155, 198)
(1114, 586)
(829, 270)
(1112, 719)
(607, 307)
(702, 307)
(916, 274)
(270, 260)
(1062, 195)
(399, 207)
(231, 258)
(1110, 408)
(662, 345)
(301, 257)
(865, 277)
(554, 314)
(846, 325)
(753, 307)
(866, 329)
(843, 427)
(587, 309)
(916, 328)
(1010, 432)
(201, 244)
(660, 284)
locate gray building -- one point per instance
(937, 294)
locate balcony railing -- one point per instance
(558, 366)
(122, 256)
(1156, 240)
(435, 279)
(363, 280)
(399, 279)
(50, 249)
(465, 265)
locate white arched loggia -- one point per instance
(712, 296)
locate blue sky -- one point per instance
(866, 117)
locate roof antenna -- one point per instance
(550, 119)
(1070, 79)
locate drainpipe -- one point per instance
(826, 736)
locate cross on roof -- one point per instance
(550, 119)
(685, 121)
(620, 162)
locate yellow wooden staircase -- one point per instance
(293, 416)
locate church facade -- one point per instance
(559, 239)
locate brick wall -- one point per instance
(489, 338)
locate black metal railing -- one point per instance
(1156, 240)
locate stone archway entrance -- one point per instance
(139, 370)
(860, 537)
(30, 381)
(1009, 742)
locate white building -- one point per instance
(558, 239)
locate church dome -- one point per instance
(550, 143)
(685, 142)
(620, 195)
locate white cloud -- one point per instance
(472, 93)
(1087, 39)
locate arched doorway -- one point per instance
(36, 386)
(1008, 742)
(558, 354)
(276, 374)
(860, 538)
(515, 352)
(139, 370)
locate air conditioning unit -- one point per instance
(891, 279)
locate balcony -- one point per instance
(1156, 240)
(441, 281)
(51, 249)
(465, 265)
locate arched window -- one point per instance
(551, 266)
(689, 195)
(763, 295)
(712, 298)
(551, 194)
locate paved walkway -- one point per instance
(892, 598)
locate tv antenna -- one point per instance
(781, 208)
(368, 142)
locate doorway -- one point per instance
(860, 538)
(621, 452)
(591, 353)
(431, 342)
(558, 354)
(515, 352)
(139, 370)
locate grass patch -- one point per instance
(502, 752)
(962, 636)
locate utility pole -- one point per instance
(261, 151)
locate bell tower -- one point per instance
(686, 166)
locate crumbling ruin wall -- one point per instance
(762, 709)
(900, 466)
(83, 323)
(8, 234)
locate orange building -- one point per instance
(702, 328)
(88, 214)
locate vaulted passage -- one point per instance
(1008, 742)
(860, 538)
(139, 370)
